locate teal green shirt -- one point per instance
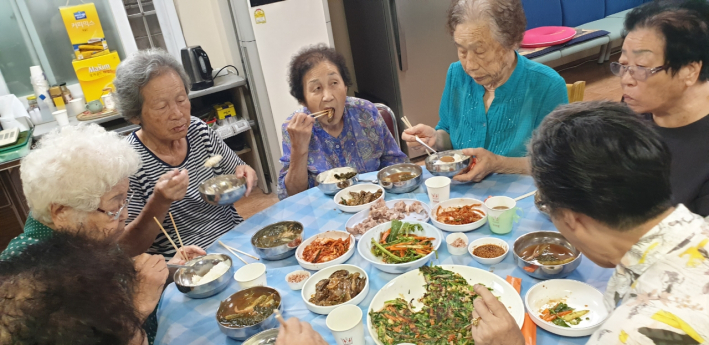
(34, 232)
(520, 104)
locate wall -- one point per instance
(342, 37)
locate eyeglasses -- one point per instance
(117, 214)
(637, 72)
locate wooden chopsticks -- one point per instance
(233, 252)
(168, 237)
(322, 113)
(406, 121)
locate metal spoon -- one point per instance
(424, 144)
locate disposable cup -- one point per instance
(75, 107)
(251, 275)
(61, 117)
(439, 189)
(501, 213)
(345, 323)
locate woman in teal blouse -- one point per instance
(494, 98)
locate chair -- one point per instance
(390, 119)
(575, 91)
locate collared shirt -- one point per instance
(364, 144)
(34, 232)
(661, 286)
(520, 104)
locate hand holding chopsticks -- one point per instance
(409, 126)
(329, 112)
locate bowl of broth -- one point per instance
(278, 241)
(447, 163)
(400, 178)
(545, 255)
(249, 312)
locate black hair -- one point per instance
(685, 27)
(600, 159)
(68, 289)
(309, 57)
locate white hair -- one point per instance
(74, 166)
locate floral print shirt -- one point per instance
(661, 286)
(364, 144)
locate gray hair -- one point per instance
(506, 16)
(74, 166)
(136, 72)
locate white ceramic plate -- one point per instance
(577, 295)
(345, 193)
(418, 217)
(309, 288)
(328, 234)
(364, 247)
(411, 286)
(457, 202)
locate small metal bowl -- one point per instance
(264, 338)
(544, 271)
(333, 188)
(223, 189)
(239, 299)
(404, 186)
(281, 251)
(446, 169)
(183, 277)
(540, 205)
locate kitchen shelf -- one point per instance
(221, 83)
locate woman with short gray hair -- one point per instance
(152, 90)
(494, 98)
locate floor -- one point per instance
(600, 85)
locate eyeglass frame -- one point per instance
(116, 215)
(649, 71)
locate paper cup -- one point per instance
(61, 117)
(75, 107)
(501, 213)
(345, 323)
(439, 189)
(251, 275)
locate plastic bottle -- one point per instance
(46, 108)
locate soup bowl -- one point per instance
(222, 189)
(332, 188)
(183, 277)
(241, 300)
(279, 251)
(401, 186)
(536, 270)
(438, 168)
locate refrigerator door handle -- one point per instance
(400, 40)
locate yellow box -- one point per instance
(96, 73)
(224, 110)
(82, 23)
(89, 50)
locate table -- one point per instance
(192, 321)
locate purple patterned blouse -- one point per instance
(364, 144)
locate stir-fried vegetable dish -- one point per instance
(563, 315)
(399, 244)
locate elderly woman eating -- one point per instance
(494, 98)
(664, 73)
(355, 135)
(152, 90)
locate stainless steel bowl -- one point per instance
(446, 169)
(404, 186)
(544, 271)
(539, 204)
(264, 338)
(284, 250)
(333, 188)
(239, 300)
(183, 277)
(223, 189)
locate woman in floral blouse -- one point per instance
(356, 136)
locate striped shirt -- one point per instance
(199, 223)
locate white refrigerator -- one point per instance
(269, 35)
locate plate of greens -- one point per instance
(398, 247)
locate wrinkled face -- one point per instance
(166, 107)
(324, 88)
(482, 57)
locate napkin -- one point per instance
(13, 113)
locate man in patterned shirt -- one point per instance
(604, 174)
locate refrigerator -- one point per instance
(401, 51)
(269, 36)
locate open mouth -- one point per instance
(330, 114)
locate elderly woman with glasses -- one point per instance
(663, 70)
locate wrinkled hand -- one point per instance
(250, 175)
(151, 272)
(298, 332)
(495, 325)
(427, 134)
(190, 252)
(300, 129)
(483, 163)
(172, 186)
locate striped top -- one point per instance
(199, 223)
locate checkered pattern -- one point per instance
(192, 321)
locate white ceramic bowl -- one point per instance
(364, 247)
(309, 288)
(328, 234)
(298, 285)
(577, 295)
(456, 250)
(411, 287)
(345, 193)
(251, 275)
(488, 240)
(413, 216)
(457, 202)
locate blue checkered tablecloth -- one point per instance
(183, 320)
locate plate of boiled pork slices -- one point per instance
(382, 212)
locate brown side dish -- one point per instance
(488, 251)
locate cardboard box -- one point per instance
(225, 110)
(89, 50)
(82, 23)
(96, 73)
